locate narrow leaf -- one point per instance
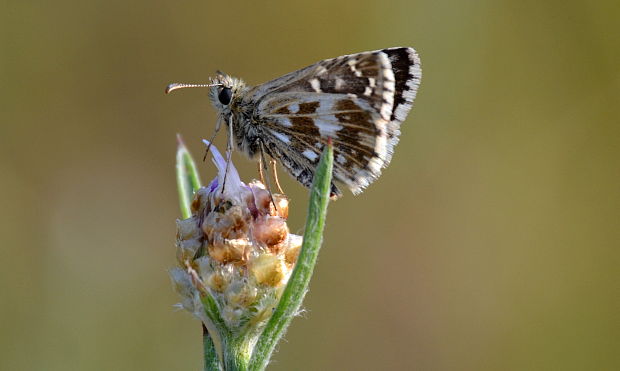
(188, 180)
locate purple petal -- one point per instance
(233, 181)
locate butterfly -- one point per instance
(357, 101)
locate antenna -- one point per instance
(172, 87)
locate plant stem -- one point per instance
(237, 354)
(210, 355)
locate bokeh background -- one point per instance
(490, 243)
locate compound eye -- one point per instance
(225, 96)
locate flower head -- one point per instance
(235, 252)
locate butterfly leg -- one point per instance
(274, 169)
(261, 174)
(218, 125)
(229, 147)
(263, 164)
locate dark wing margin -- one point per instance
(407, 75)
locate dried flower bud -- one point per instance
(272, 231)
(294, 247)
(268, 269)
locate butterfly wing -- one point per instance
(357, 100)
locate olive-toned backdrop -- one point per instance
(490, 243)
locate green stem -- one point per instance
(297, 286)
(237, 354)
(212, 362)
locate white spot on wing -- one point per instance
(286, 122)
(310, 155)
(294, 108)
(352, 64)
(341, 159)
(328, 129)
(283, 137)
(315, 85)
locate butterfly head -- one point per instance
(225, 91)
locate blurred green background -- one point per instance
(490, 243)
